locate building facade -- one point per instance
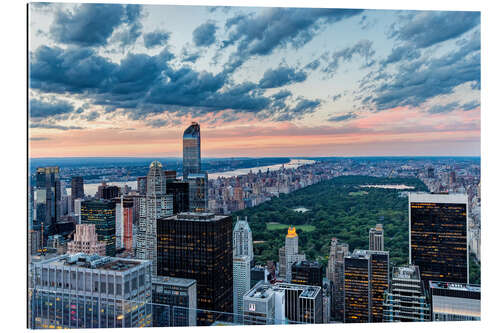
(405, 300)
(454, 301)
(174, 302)
(77, 191)
(198, 192)
(82, 291)
(242, 239)
(241, 284)
(335, 273)
(290, 254)
(438, 237)
(101, 213)
(376, 242)
(307, 273)
(47, 197)
(199, 246)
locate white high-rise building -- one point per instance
(291, 254)
(154, 205)
(242, 239)
(241, 284)
(377, 238)
(78, 210)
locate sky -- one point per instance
(126, 80)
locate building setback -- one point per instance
(405, 300)
(174, 302)
(454, 301)
(199, 246)
(82, 291)
(438, 236)
(85, 241)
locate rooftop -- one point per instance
(173, 281)
(191, 216)
(93, 261)
(455, 286)
(406, 272)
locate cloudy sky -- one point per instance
(125, 80)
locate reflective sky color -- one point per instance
(126, 80)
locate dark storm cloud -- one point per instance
(42, 109)
(281, 76)
(399, 53)
(204, 35)
(156, 38)
(93, 24)
(92, 116)
(190, 55)
(429, 28)
(417, 81)
(443, 108)
(344, 117)
(258, 35)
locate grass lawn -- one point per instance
(279, 226)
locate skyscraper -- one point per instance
(241, 284)
(291, 254)
(47, 198)
(82, 291)
(198, 192)
(102, 213)
(174, 302)
(242, 239)
(377, 238)
(366, 278)
(76, 190)
(335, 273)
(405, 300)
(156, 204)
(439, 236)
(180, 195)
(199, 246)
(307, 273)
(191, 151)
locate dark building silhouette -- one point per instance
(108, 192)
(199, 246)
(47, 201)
(102, 214)
(77, 191)
(307, 273)
(142, 185)
(174, 302)
(180, 193)
(438, 236)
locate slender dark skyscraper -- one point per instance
(438, 236)
(191, 151)
(47, 199)
(76, 190)
(102, 213)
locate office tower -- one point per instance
(174, 302)
(154, 205)
(453, 177)
(241, 284)
(439, 236)
(454, 301)
(264, 305)
(198, 192)
(142, 185)
(128, 220)
(282, 263)
(180, 195)
(76, 190)
(47, 197)
(366, 278)
(303, 304)
(82, 291)
(335, 273)
(291, 254)
(377, 238)
(119, 221)
(307, 273)
(257, 274)
(405, 300)
(191, 151)
(77, 209)
(170, 175)
(199, 246)
(85, 241)
(102, 214)
(108, 192)
(242, 239)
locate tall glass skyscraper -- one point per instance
(102, 213)
(439, 236)
(47, 196)
(191, 151)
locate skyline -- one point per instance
(305, 82)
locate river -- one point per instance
(91, 189)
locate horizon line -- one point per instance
(256, 157)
